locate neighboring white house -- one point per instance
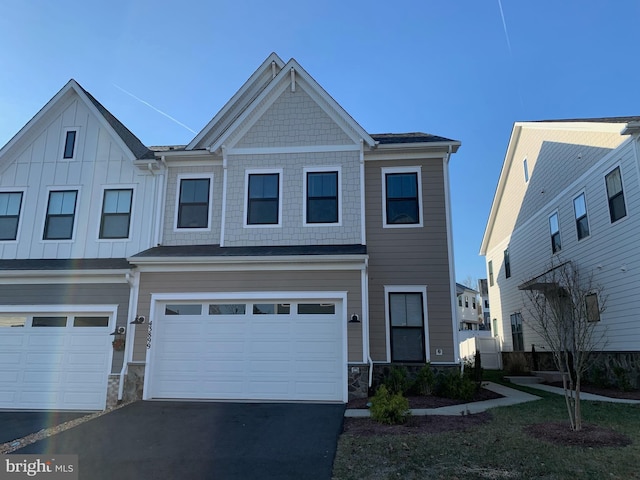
(467, 299)
(484, 313)
(569, 190)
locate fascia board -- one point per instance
(302, 259)
(259, 71)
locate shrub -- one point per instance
(621, 379)
(424, 382)
(396, 380)
(454, 385)
(389, 408)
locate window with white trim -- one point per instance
(517, 338)
(402, 197)
(554, 228)
(407, 323)
(322, 192)
(263, 198)
(193, 209)
(116, 213)
(582, 221)
(615, 194)
(61, 212)
(525, 166)
(10, 206)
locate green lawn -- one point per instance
(499, 449)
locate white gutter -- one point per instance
(223, 216)
(365, 320)
(452, 273)
(134, 282)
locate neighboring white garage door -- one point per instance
(248, 350)
(54, 360)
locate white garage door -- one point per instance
(248, 350)
(54, 360)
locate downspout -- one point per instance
(363, 220)
(134, 282)
(365, 275)
(223, 216)
(452, 280)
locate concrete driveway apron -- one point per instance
(204, 440)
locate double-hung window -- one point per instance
(402, 194)
(407, 322)
(582, 222)
(554, 228)
(194, 203)
(507, 264)
(116, 213)
(263, 198)
(10, 205)
(615, 193)
(516, 332)
(61, 212)
(322, 205)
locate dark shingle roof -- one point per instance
(412, 137)
(131, 141)
(218, 251)
(66, 264)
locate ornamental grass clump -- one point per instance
(389, 408)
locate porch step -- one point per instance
(524, 379)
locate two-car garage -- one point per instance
(266, 347)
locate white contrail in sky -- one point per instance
(504, 25)
(156, 109)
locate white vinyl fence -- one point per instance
(489, 348)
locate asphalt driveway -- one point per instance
(18, 424)
(198, 440)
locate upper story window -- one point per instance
(582, 222)
(554, 227)
(116, 213)
(194, 203)
(322, 203)
(466, 301)
(473, 303)
(69, 142)
(10, 205)
(491, 273)
(61, 212)
(525, 167)
(459, 300)
(263, 198)
(402, 197)
(507, 264)
(615, 193)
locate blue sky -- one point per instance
(451, 68)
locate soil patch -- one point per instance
(560, 433)
(606, 392)
(415, 425)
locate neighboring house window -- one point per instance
(61, 212)
(466, 301)
(322, 197)
(525, 166)
(263, 200)
(402, 194)
(473, 303)
(69, 144)
(10, 205)
(554, 227)
(406, 315)
(592, 308)
(194, 203)
(491, 273)
(582, 222)
(486, 304)
(617, 209)
(494, 327)
(516, 332)
(116, 213)
(507, 264)
(460, 300)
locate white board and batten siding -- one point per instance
(35, 166)
(298, 353)
(610, 252)
(55, 357)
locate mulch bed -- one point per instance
(560, 433)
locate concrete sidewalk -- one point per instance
(511, 396)
(583, 395)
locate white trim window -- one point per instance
(525, 167)
(402, 197)
(194, 195)
(554, 230)
(10, 207)
(60, 217)
(582, 220)
(263, 194)
(69, 143)
(115, 221)
(615, 195)
(406, 315)
(322, 192)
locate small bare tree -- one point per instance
(564, 307)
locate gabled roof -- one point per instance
(412, 137)
(128, 141)
(608, 123)
(224, 125)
